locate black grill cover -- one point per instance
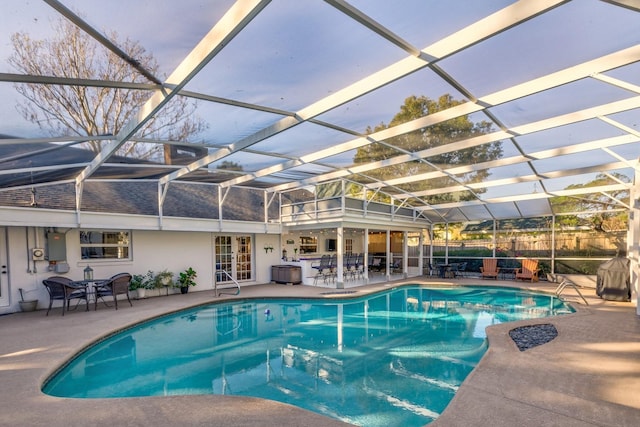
(614, 280)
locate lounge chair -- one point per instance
(112, 287)
(63, 289)
(489, 268)
(376, 264)
(396, 266)
(528, 271)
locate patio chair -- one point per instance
(528, 271)
(376, 264)
(356, 266)
(348, 265)
(322, 269)
(444, 270)
(395, 266)
(359, 271)
(460, 269)
(63, 289)
(428, 269)
(333, 270)
(489, 268)
(112, 287)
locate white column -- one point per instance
(633, 240)
(366, 255)
(405, 254)
(388, 257)
(340, 256)
(421, 253)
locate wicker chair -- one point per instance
(114, 286)
(62, 289)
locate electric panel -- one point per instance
(56, 246)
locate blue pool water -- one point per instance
(392, 358)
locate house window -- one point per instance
(348, 246)
(308, 245)
(98, 244)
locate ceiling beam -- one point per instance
(562, 77)
(492, 25)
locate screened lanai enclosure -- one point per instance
(465, 129)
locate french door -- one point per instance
(233, 254)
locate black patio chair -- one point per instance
(460, 269)
(430, 269)
(112, 287)
(63, 289)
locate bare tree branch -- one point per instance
(84, 110)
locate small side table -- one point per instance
(508, 272)
(81, 285)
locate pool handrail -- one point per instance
(237, 292)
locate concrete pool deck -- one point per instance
(588, 376)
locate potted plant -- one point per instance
(186, 279)
(141, 282)
(164, 278)
(27, 305)
(134, 284)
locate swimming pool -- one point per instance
(391, 358)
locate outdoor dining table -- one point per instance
(447, 270)
(508, 272)
(90, 290)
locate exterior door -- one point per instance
(234, 254)
(4, 271)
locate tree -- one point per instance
(83, 110)
(437, 135)
(230, 166)
(602, 212)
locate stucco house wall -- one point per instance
(151, 250)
